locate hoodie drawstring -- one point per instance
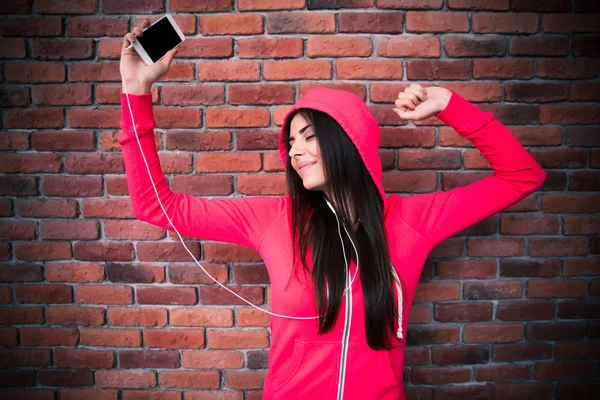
(399, 287)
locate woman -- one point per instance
(348, 295)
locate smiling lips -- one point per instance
(305, 167)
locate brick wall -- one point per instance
(98, 305)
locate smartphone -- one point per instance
(160, 37)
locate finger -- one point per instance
(411, 98)
(137, 31)
(419, 94)
(127, 40)
(404, 103)
(145, 23)
(403, 114)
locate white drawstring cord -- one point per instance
(180, 238)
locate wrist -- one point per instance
(444, 99)
(137, 87)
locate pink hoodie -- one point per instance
(339, 364)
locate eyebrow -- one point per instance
(302, 130)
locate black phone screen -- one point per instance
(158, 39)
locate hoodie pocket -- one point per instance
(310, 372)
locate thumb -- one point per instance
(166, 61)
(403, 114)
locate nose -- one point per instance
(296, 149)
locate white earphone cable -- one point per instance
(181, 239)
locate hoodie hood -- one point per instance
(353, 115)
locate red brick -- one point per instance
(502, 69)
(586, 308)
(219, 296)
(578, 266)
(21, 272)
(521, 351)
(370, 22)
(570, 203)
(203, 6)
(149, 359)
(466, 269)
(297, 69)
(96, 26)
(66, 7)
(63, 141)
(206, 48)
(266, 184)
(224, 162)
(43, 293)
(261, 94)
(565, 370)
(444, 355)
(192, 95)
(159, 251)
(556, 288)
(31, 26)
(525, 310)
(436, 21)
(79, 186)
(17, 230)
(555, 331)
(69, 230)
(368, 69)
(437, 292)
(174, 338)
(57, 95)
(433, 335)
(103, 251)
(136, 273)
(503, 373)
(217, 359)
(111, 337)
(16, 7)
(14, 96)
(61, 49)
(49, 336)
(223, 339)
(231, 24)
(25, 357)
(408, 46)
(12, 48)
(245, 379)
(90, 393)
(58, 377)
(567, 68)
(265, 47)
(34, 118)
(218, 185)
(107, 208)
(190, 379)
(252, 317)
(18, 186)
(98, 71)
(201, 316)
(505, 22)
(440, 375)
(577, 350)
(132, 230)
(123, 316)
(495, 247)
(463, 312)
(21, 315)
(166, 295)
(191, 274)
(125, 379)
(104, 294)
(493, 333)
(84, 358)
(300, 22)
(193, 140)
(76, 315)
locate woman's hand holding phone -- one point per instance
(137, 76)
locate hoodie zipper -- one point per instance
(346, 336)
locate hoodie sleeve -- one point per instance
(238, 220)
(439, 215)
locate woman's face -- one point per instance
(305, 154)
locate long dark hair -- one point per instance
(350, 187)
